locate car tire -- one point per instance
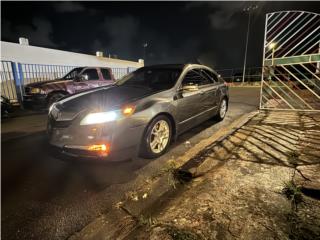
(157, 137)
(53, 98)
(222, 110)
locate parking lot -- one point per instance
(169, 121)
(46, 198)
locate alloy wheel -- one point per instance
(223, 108)
(159, 137)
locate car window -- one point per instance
(152, 78)
(106, 73)
(92, 74)
(195, 77)
(72, 74)
(213, 78)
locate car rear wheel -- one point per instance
(157, 137)
(223, 107)
(54, 98)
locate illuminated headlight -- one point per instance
(36, 90)
(101, 117)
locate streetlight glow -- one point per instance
(272, 45)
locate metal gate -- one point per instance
(291, 62)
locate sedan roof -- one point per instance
(167, 66)
(173, 66)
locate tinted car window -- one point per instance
(195, 77)
(106, 73)
(155, 79)
(213, 78)
(92, 74)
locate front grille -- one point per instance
(27, 90)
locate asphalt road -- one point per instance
(46, 198)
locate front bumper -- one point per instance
(74, 140)
(79, 154)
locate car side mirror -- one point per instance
(190, 88)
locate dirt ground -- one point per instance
(261, 182)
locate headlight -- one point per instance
(103, 117)
(36, 90)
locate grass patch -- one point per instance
(293, 193)
(146, 221)
(293, 159)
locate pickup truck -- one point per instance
(45, 93)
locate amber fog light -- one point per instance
(102, 149)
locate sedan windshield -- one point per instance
(155, 79)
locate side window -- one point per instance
(72, 74)
(92, 74)
(194, 77)
(106, 73)
(212, 77)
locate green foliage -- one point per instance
(146, 221)
(293, 158)
(293, 193)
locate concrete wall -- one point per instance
(38, 55)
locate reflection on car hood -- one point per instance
(102, 99)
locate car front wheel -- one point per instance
(157, 137)
(223, 107)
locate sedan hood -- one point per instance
(102, 99)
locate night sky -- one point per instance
(212, 33)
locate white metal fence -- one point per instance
(14, 76)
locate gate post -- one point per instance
(18, 81)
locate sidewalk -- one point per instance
(261, 182)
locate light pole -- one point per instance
(248, 10)
(145, 45)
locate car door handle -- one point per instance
(202, 92)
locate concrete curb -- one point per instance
(137, 207)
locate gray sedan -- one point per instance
(139, 115)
